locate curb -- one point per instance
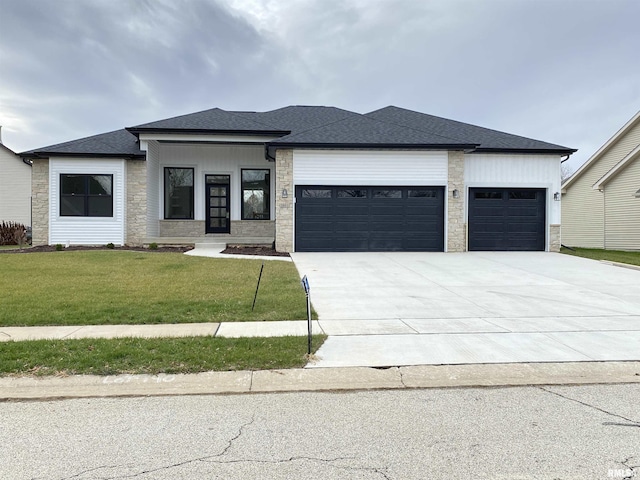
(319, 380)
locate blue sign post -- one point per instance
(305, 285)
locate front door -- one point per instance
(217, 203)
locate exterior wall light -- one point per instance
(285, 194)
(556, 196)
(456, 193)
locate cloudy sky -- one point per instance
(563, 71)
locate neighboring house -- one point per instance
(601, 201)
(15, 187)
(308, 178)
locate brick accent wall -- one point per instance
(136, 204)
(40, 201)
(253, 228)
(457, 229)
(555, 240)
(284, 206)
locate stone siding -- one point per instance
(555, 239)
(40, 201)
(136, 205)
(182, 228)
(284, 206)
(253, 228)
(456, 227)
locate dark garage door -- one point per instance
(353, 219)
(507, 219)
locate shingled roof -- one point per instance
(312, 127)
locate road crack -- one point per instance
(630, 469)
(634, 422)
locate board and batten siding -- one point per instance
(211, 160)
(582, 206)
(517, 171)
(86, 230)
(622, 209)
(15, 188)
(369, 168)
(153, 188)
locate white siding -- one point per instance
(522, 171)
(86, 230)
(212, 159)
(344, 167)
(622, 209)
(153, 189)
(15, 188)
(583, 207)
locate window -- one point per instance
(352, 194)
(255, 194)
(422, 193)
(387, 194)
(488, 195)
(515, 195)
(178, 193)
(316, 193)
(86, 195)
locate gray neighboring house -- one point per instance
(308, 178)
(15, 187)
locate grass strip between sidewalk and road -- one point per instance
(152, 356)
(137, 287)
(620, 256)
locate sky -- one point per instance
(562, 71)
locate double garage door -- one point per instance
(359, 219)
(338, 218)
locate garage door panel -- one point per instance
(507, 219)
(370, 218)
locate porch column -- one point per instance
(136, 202)
(40, 201)
(284, 206)
(456, 227)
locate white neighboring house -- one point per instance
(601, 201)
(15, 187)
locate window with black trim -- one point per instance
(349, 193)
(86, 195)
(255, 194)
(178, 193)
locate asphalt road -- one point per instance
(584, 432)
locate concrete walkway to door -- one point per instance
(390, 309)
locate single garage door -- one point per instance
(360, 219)
(507, 219)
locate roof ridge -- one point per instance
(235, 114)
(324, 124)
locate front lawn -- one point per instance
(135, 287)
(90, 356)
(632, 258)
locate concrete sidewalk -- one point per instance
(320, 379)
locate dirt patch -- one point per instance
(254, 250)
(52, 248)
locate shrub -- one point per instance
(59, 247)
(110, 245)
(12, 233)
(153, 246)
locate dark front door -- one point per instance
(507, 218)
(217, 204)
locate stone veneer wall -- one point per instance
(253, 228)
(40, 201)
(284, 206)
(136, 204)
(182, 228)
(555, 240)
(457, 229)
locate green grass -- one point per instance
(632, 258)
(129, 287)
(152, 356)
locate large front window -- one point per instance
(255, 194)
(86, 195)
(178, 193)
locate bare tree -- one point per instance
(565, 172)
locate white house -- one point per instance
(307, 178)
(15, 187)
(601, 201)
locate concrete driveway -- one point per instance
(383, 309)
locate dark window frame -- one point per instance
(87, 196)
(167, 215)
(266, 195)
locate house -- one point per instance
(601, 201)
(15, 187)
(309, 178)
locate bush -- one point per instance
(59, 247)
(110, 245)
(153, 246)
(12, 233)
